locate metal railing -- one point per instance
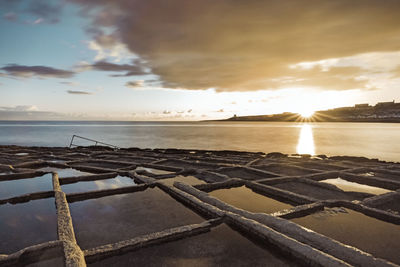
(88, 139)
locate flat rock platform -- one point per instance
(99, 206)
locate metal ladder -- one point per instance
(88, 139)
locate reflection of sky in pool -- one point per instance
(244, 198)
(26, 224)
(114, 218)
(64, 172)
(152, 170)
(353, 228)
(222, 246)
(22, 154)
(356, 187)
(19, 187)
(184, 179)
(119, 181)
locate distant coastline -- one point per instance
(381, 112)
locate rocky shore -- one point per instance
(176, 207)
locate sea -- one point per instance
(371, 140)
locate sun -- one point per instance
(306, 113)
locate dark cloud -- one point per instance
(72, 92)
(243, 45)
(45, 11)
(48, 10)
(10, 16)
(39, 71)
(134, 84)
(130, 70)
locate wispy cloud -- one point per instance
(69, 83)
(20, 108)
(38, 71)
(73, 92)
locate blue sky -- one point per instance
(125, 60)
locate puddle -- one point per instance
(68, 172)
(119, 181)
(7, 172)
(128, 215)
(27, 224)
(314, 191)
(153, 171)
(356, 187)
(58, 161)
(353, 228)
(222, 246)
(22, 154)
(13, 188)
(368, 174)
(190, 180)
(244, 198)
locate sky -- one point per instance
(194, 60)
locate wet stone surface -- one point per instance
(377, 237)
(112, 183)
(244, 198)
(244, 174)
(392, 204)
(388, 176)
(110, 219)
(13, 188)
(106, 165)
(284, 170)
(26, 224)
(222, 246)
(59, 261)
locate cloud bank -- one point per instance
(235, 45)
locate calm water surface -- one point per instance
(373, 140)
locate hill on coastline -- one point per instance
(381, 112)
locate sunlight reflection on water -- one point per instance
(305, 144)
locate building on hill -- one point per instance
(361, 105)
(385, 104)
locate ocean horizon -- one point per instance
(355, 139)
